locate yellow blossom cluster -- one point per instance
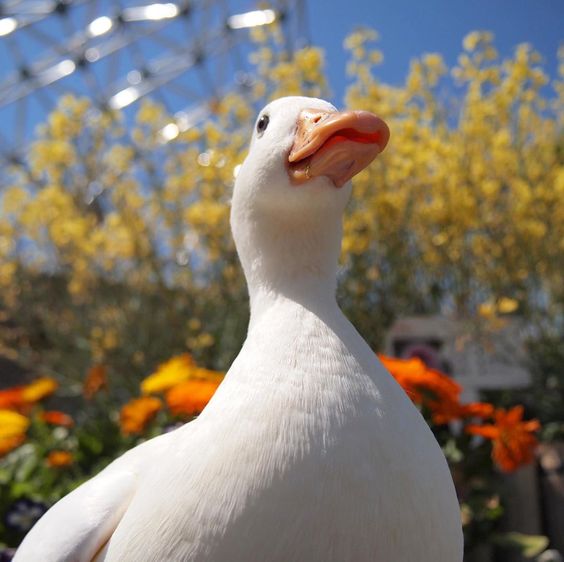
(465, 206)
(469, 200)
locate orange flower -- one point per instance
(402, 367)
(59, 459)
(482, 410)
(439, 392)
(190, 397)
(137, 413)
(513, 440)
(405, 371)
(10, 443)
(57, 418)
(440, 385)
(445, 411)
(422, 385)
(96, 379)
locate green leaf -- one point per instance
(26, 468)
(528, 545)
(452, 452)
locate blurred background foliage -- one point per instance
(116, 252)
(115, 247)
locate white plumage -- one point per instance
(309, 451)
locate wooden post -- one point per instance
(551, 460)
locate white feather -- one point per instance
(309, 451)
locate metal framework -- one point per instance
(117, 52)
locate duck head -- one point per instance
(292, 189)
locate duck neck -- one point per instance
(316, 296)
(290, 258)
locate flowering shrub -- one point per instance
(46, 453)
(438, 395)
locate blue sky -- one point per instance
(410, 27)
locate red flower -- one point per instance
(57, 418)
(22, 398)
(12, 398)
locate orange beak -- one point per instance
(336, 145)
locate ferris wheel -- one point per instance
(186, 54)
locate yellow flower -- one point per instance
(204, 215)
(13, 427)
(110, 340)
(150, 113)
(175, 370)
(359, 38)
(200, 341)
(310, 62)
(472, 40)
(13, 199)
(415, 81)
(39, 389)
(435, 62)
(120, 157)
(62, 125)
(376, 57)
(507, 305)
(205, 340)
(209, 375)
(7, 273)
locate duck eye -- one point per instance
(262, 123)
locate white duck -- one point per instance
(309, 451)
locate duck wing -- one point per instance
(78, 526)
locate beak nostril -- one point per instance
(317, 119)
